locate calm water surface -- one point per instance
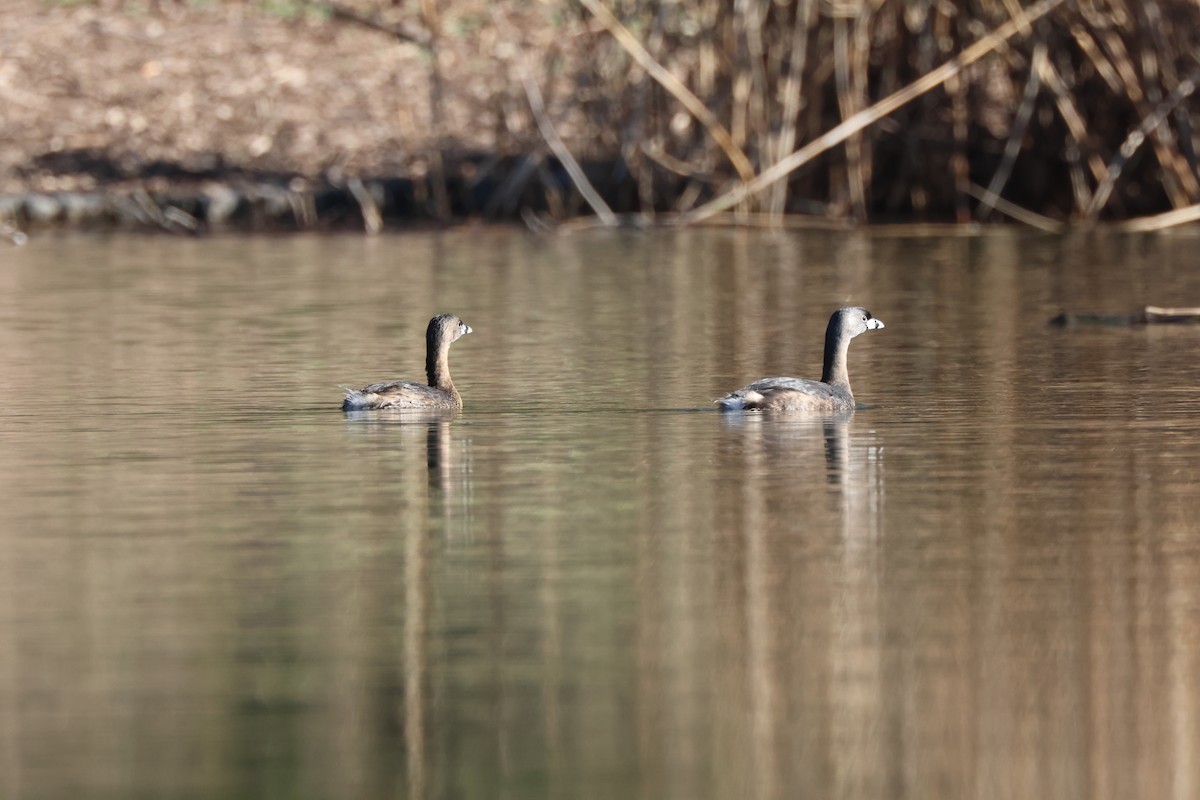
(589, 584)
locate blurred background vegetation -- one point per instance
(1082, 111)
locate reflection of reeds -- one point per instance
(1038, 100)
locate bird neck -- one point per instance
(834, 370)
(437, 367)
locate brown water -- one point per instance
(589, 584)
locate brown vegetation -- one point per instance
(1046, 112)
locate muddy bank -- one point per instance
(530, 189)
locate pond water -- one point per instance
(588, 584)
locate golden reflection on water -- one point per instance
(587, 583)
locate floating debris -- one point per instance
(1150, 315)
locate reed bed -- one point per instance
(882, 110)
(733, 112)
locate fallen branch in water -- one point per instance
(1150, 315)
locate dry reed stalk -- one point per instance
(372, 219)
(859, 80)
(437, 92)
(743, 79)
(960, 166)
(688, 197)
(1134, 141)
(1104, 69)
(1076, 133)
(556, 204)
(1016, 134)
(671, 84)
(874, 113)
(792, 86)
(1013, 8)
(1156, 25)
(756, 54)
(1016, 212)
(670, 163)
(1179, 185)
(1076, 127)
(1182, 178)
(538, 106)
(641, 124)
(856, 180)
(1160, 222)
(1112, 44)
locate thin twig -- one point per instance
(669, 82)
(872, 114)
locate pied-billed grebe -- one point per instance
(443, 330)
(831, 393)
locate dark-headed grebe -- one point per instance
(443, 330)
(831, 393)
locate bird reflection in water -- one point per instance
(797, 441)
(792, 450)
(803, 496)
(447, 461)
(446, 514)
